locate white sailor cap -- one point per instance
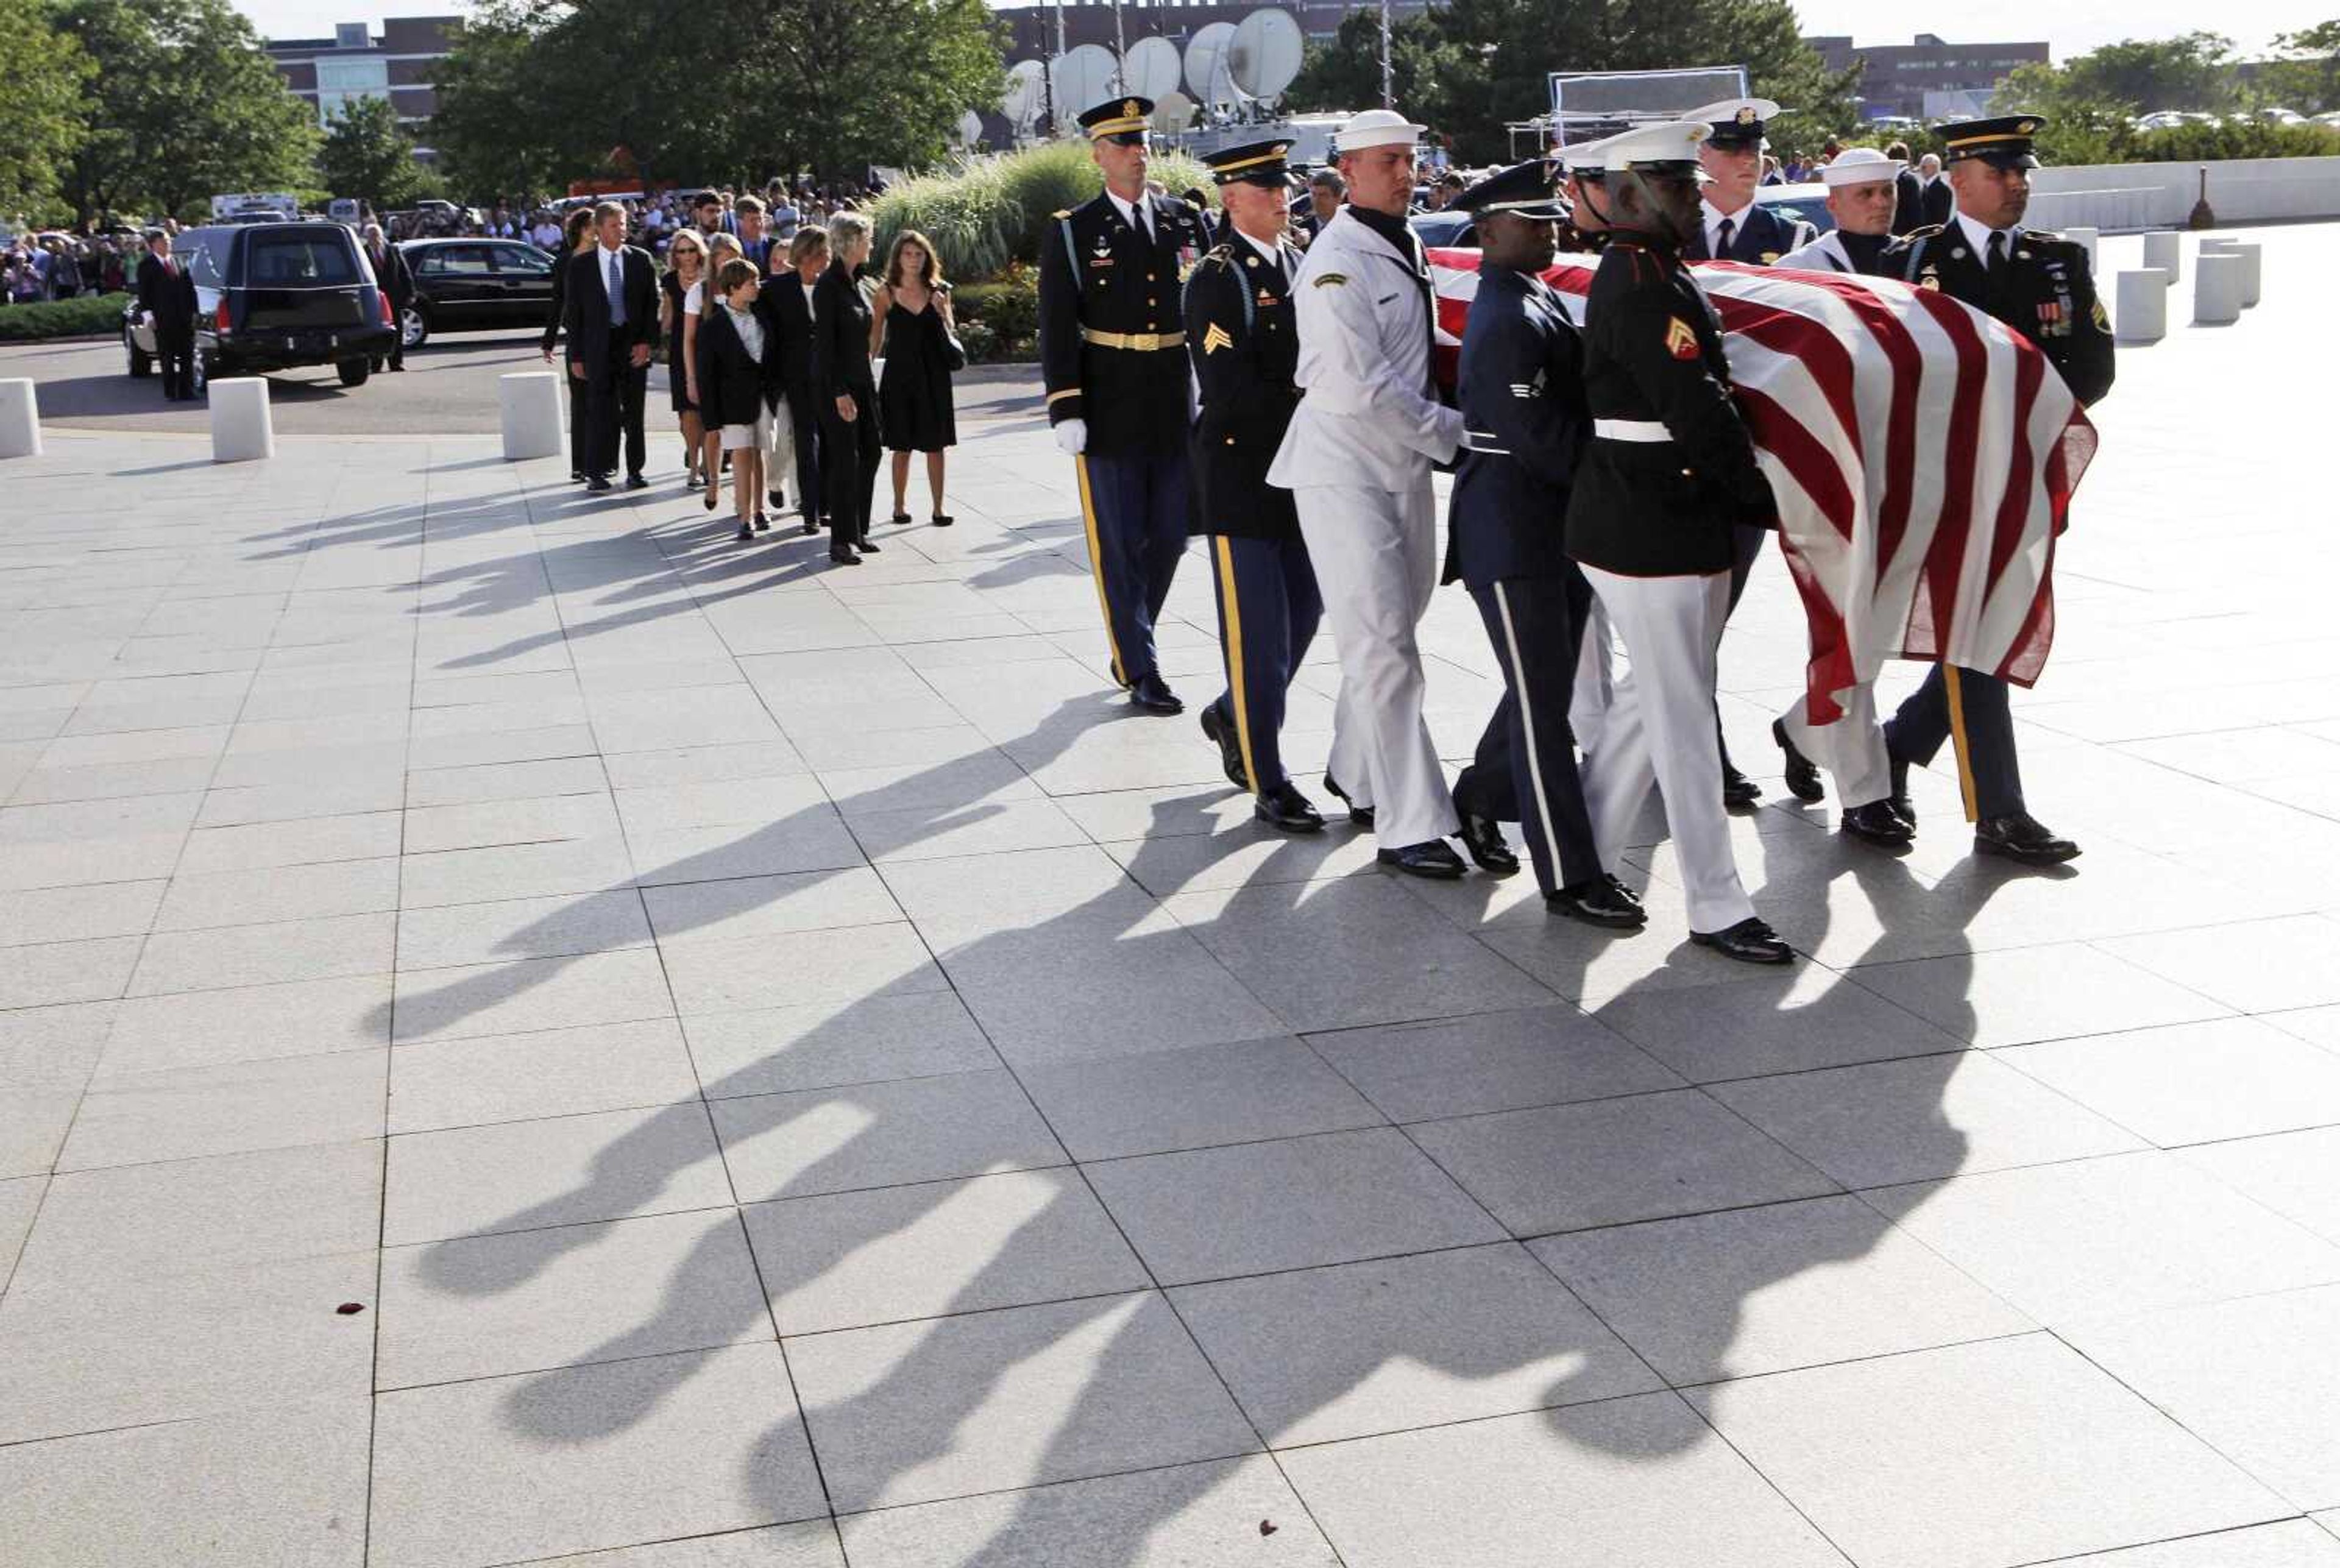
(1670, 142)
(1377, 128)
(1860, 166)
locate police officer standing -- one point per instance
(1522, 386)
(1112, 352)
(1670, 472)
(1241, 342)
(2039, 285)
(1734, 227)
(1357, 459)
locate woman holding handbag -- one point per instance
(913, 320)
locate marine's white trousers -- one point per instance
(1375, 552)
(1659, 728)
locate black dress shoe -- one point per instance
(1737, 789)
(636, 481)
(843, 555)
(1363, 816)
(747, 531)
(763, 524)
(811, 526)
(1286, 807)
(1750, 942)
(1803, 773)
(864, 546)
(1899, 797)
(777, 498)
(1603, 902)
(1153, 697)
(901, 519)
(597, 485)
(1877, 823)
(942, 520)
(1483, 837)
(2023, 837)
(1433, 859)
(578, 476)
(1231, 759)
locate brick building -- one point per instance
(400, 63)
(1927, 79)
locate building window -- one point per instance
(343, 81)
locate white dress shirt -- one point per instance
(1133, 214)
(1978, 235)
(1716, 218)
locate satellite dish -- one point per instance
(969, 128)
(1265, 55)
(1207, 63)
(1173, 110)
(1026, 94)
(1083, 78)
(1150, 69)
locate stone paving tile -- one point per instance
(1171, 1517)
(565, 1462)
(230, 957)
(20, 1198)
(811, 1544)
(77, 914)
(914, 1413)
(771, 1051)
(2298, 1175)
(1637, 1482)
(531, 994)
(2042, 994)
(2006, 1451)
(260, 844)
(1804, 1018)
(1490, 1062)
(769, 906)
(2257, 966)
(2194, 1083)
(565, 1170)
(47, 974)
(1177, 1099)
(2294, 1543)
(278, 893)
(847, 1260)
(283, 1485)
(53, 1047)
(187, 1112)
(248, 1023)
(459, 934)
(880, 1134)
(477, 1079)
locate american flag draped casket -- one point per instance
(1923, 456)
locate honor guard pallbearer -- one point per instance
(1670, 472)
(1356, 458)
(2039, 285)
(1734, 227)
(1522, 390)
(1113, 355)
(1245, 348)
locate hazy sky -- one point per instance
(2070, 26)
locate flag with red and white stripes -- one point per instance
(1922, 454)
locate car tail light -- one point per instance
(218, 318)
(384, 295)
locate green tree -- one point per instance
(2191, 71)
(42, 75)
(495, 106)
(184, 104)
(2080, 125)
(2308, 80)
(1426, 67)
(368, 155)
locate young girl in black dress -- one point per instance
(912, 322)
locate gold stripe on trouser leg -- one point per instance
(1233, 636)
(1097, 567)
(1959, 740)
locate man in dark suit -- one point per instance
(1937, 201)
(2039, 283)
(1241, 339)
(611, 320)
(1521, 384)
(786, 306)
(166, 294)
(846, 386)
(1908, 192)
(397, 281)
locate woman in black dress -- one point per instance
(686, 264)
(913, 317)
(578, 237)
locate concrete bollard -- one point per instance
(2141, 305)
(533, 425)
(241, 427)
(2166, 249)
(20, 420)
(2085, 238)
(2217, 288)
(2249, 251)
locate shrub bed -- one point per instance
(991, 212)
(84, 315)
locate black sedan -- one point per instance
(475, 286)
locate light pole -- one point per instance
(1389, 91)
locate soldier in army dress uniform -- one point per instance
(2038, 284)
(1521, 391)
(1112, 356)
(1244, 347)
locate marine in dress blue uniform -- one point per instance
(1112, 353)
(1522, 390)
(1244, 347)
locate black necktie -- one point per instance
(1722, 239)
(1997, 257)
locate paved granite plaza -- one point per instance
(535, 1032)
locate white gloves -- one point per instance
(1073, 436)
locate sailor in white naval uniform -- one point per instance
(1357, 459)
(1861, 195)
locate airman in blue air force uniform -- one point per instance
(1242, 341)
(1521, 390)
(1112, 353)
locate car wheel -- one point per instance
(141, 365)
(414, 327)
(354, 372)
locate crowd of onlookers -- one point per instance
(783, 206)
(59, 264)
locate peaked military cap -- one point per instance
(2004, 140)
(1118, 120)
(1524, 190)
(1737, 122)
(1253, 163)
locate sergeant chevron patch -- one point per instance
(1216, 339)
(1331, 279)
(1680, 341)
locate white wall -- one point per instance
(2118, 196)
